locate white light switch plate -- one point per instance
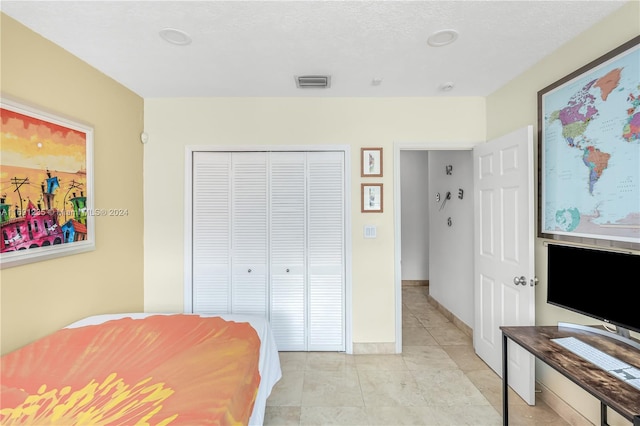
(369, 231)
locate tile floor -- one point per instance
(437, 380)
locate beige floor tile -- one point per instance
(389, 388)
(539, 414)
(410, 320)
(329, 361)
(282, 416)
(431, 318)
(380, 362)
(490, 385)
(288, 391)
(417, 337)
(413, 293)
(449, 334)
(465, 357)
(417, 306)
(472, 415)
(418, 416)
(293, 361)
(353, 416)
(427, 358)
(332, 388)
(448, 387)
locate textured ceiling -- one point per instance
(255, 48)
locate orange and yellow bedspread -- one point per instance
(160, 370)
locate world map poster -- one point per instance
(589, 127)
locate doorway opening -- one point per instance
(414, 257)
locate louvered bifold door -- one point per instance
(287, 249)
(211, 239)
(326, 252)
(249, 233)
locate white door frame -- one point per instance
(188, 225)
(405, 146)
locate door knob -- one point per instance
(520, 281)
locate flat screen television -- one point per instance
(597, 283)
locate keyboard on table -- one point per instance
(625, 372)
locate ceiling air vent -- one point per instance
(313, 81)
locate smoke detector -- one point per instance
(313, 81)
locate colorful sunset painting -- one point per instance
(43, 181)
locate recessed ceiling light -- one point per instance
(174, 36)
(442, 38)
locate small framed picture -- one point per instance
(371, 162)
(371, 198)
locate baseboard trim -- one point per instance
(557, 404)
(451, 317)
(374, 348)
(411, 283)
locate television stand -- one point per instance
(610, 391)
(623, 337)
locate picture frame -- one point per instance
(46, 193)
(589, 152)
(372, 197)
(371, 162)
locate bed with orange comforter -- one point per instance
(143, 369)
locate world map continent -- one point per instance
(579, 113)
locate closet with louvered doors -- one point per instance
(268, 239)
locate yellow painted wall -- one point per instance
(173, 124)
(38, 298)
(514, 106)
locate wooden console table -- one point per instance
(609, 390)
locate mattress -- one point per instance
(143, 369)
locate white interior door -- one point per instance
(211, 224)
(326, 251)
(288, 230)
(249, 292)
(504, 252)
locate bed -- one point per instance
(158, 369)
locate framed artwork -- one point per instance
(371, 195)
(46, 192)
(371, 162)
(589, 152)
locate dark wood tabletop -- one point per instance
(615, 393)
